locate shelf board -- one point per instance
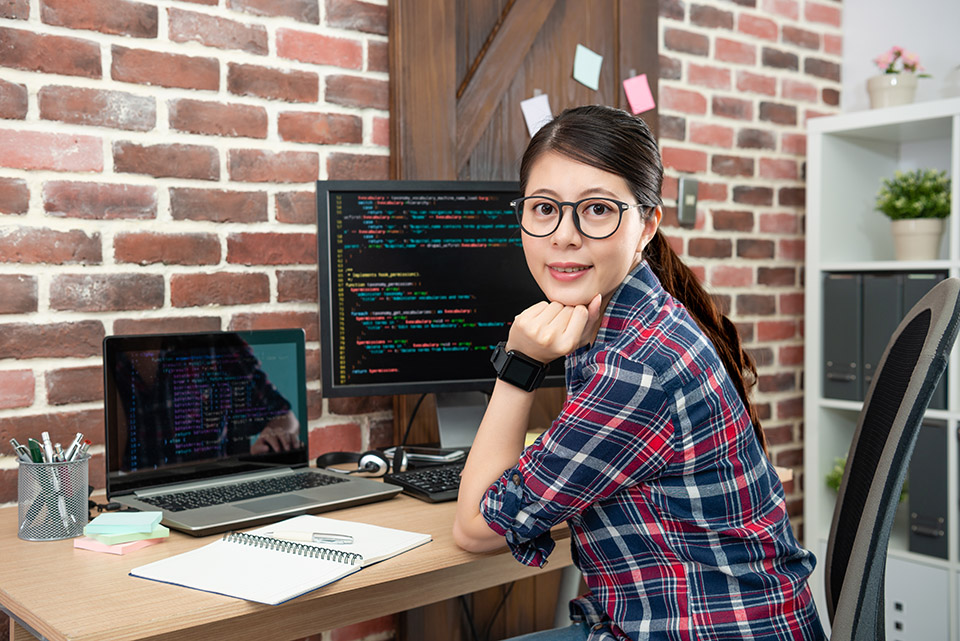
(887, 266)
(918, 121)
(856, 406)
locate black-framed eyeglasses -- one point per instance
(596, 218)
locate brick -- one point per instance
(778, 113)
(791, 304)
(670, 68)
(755, 248)
(830, 97)
(776, 330)
(297, 207)
(748, 82)
(674, 99)
(213, 31)
(14, 10)
(167, 161)
(166, 325)
(786, 8)
(710, 17)
(148, 248)
(756, 305)
(731, 165)
(686, 160)
(668, 190)
(16, 388)
(116, 17)
(792, 196)
(164, 69)
(18, 294)
(746, 331)
(777, 382)
(97, 108)
(777, 276)
(753, 195)
(319, 49)
(320, 128)
(106, 292)
(62, 427)
(790, 408)
(778, 168)
(74, 385)
(825, 14)
(381, 131)
(56, 340)
(353, 15)
(49, 246)
(822, 69)
(272, 249)
(686, 42)
(779, 223)
(672, 9)
(61, 55)
(56, 152)
(791, 249)
(710, 248)
(217, 205)
(381, 433)
(832, 44)
(801, 37)
(14, 196)
(378, 56)
(255, 165)
(360, 405)
(673, 127)
(798, 90)
(729, 220)
(278, 320)
(712, 135)
(297, 286)
(727, 276)
(706, 76)
(272, 84)
(357, 167)
(99, 201)
(734, 51)
(793, 144)
(724, 107)
(712, 191)
(300, 10)
(762, 356)
(763, 28)
(756, 139)
(778, 59)
(354, 91)
(810, 113)
(13, 100)
(791, 355)
(218, 119)
(345, 437)
(200, 290)
(722, 303)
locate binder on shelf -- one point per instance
(882, 312)
(842, 314)
(915, 287)
(927, 492)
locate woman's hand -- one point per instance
(547, 331)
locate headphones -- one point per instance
(371, 463)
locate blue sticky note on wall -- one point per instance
(586, 67)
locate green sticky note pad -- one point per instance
(123, 522)
(159, 532)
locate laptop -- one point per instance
(211, 429)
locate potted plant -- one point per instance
(897, 82)
(916, 203)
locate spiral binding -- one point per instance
(293, 547)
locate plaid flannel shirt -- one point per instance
(677, 518)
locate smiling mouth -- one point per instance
(569, 270)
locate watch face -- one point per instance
(522, 371)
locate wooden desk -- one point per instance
(63, 593)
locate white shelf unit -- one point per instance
(847, 156)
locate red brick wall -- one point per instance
(738, 81)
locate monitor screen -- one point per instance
(418, 283)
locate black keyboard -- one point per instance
(191, 499)
(434, 484)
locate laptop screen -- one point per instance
(181, 407)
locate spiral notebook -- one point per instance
(257, 567)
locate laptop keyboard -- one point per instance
(192, 499)
(433, 484)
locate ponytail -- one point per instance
(680, 282)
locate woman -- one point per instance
(656, 462)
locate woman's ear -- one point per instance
(650, 225)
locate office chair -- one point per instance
(886, 434)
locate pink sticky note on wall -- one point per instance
(638, 94)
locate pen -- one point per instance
(36, 453)
(47, 447)
(312, 537)
(74, 447)
(21, 450)
(58, 453)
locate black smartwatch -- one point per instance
(517, 368)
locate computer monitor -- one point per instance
(419, 280)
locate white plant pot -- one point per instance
(917, 238)
(890, 89)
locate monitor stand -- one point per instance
(458, 417)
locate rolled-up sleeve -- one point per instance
(501, 507)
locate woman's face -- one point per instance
(571, 268)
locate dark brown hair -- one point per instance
(622, 144)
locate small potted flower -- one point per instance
(916, 203)
(897, 82)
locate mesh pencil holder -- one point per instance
(52, 499)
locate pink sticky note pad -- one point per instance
(638, 94)
(86, 543)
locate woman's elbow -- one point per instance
(471, 542)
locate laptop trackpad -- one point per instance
(275, 503)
